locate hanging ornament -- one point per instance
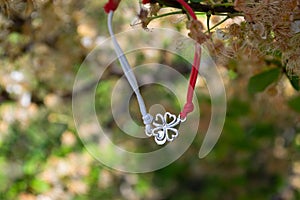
(163, 127)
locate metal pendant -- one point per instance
(163, 128)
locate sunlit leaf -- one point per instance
(232, 74)
(39, 185)
(15, 38)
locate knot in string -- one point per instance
(188, 107)
(147, 119)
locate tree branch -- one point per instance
(198, 7)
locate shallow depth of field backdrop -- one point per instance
(42, 45)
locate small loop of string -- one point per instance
(148, 119)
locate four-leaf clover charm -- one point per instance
(165, 128)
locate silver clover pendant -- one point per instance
(163, 128)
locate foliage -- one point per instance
(260, 82)
(269, 27)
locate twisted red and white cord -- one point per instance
(167, 122)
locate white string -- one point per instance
(162, 132)
(147, 118)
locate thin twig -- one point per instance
(217, 24)
(166, 14)
(208, 15)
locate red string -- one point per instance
(111, 5)
(188, 8)
(189, 106)
(145, 1)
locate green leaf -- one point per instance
(196, 1)
(262, 130)
(142, 187)
(237, 108)
(232, 74)
(295, 81)
(15, 38)
(294, 104)
(260, 82)
(39, 186)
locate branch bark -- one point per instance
(213, 9)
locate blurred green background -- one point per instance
(42, 157)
